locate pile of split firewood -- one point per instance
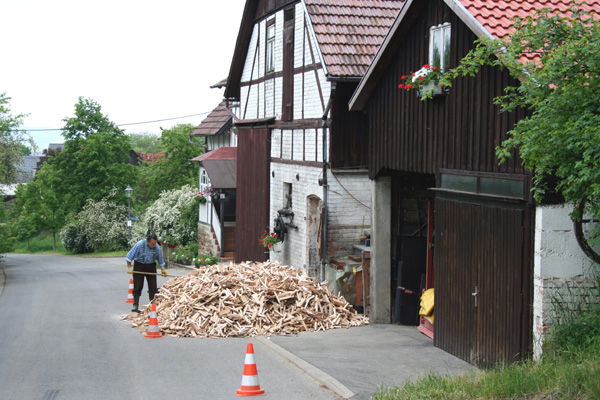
(246, 299)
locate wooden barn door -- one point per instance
(253, 185)
(480, 281)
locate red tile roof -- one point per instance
(495, 16)
(221, 153)
(349, 32)
(217, 122)
(491, 18)
(152, 157)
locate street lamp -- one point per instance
(128, 191)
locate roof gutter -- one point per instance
(325, 247)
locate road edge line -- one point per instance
(315, 373)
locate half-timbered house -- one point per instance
(446, 214)
(302, 156)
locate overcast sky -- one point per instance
(140, 60)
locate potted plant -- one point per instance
(271, 241)
(426, 80)
(205, 260)
(206, 194)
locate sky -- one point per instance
(139, 60)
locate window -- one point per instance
(439, 46)
(287, 195)
(204, 181)
(486, 184)
(270, 56)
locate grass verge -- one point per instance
(570, 375)
(42, 244)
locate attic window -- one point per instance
(439, 46)
(270, 50)
(288, 15)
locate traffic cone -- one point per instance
(250, 386)
(153, 324)
(130, 293)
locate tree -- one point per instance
(94, 160)
(560, 85)
(40, 205)
(172, 172)
(11, 140)
(146, 142)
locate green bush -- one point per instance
(75, 240)
(105, 222)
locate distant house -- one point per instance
(218, 179)
(135, 157)
(26, 169)
(445, 214)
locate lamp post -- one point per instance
(128, 191)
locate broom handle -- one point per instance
(150, 273)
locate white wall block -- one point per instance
(562, 272)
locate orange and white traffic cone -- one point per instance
(153, 324)
(250, 386)
(130, 293)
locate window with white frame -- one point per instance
(439, 46)
(204, 181)
(270, 50)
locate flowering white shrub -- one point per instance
(163, 217)
(104, 222)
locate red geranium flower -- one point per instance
(408, 86)
(426, 66)
(421, 79)
(403, 77)
(400, 86)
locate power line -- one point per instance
(131, 123)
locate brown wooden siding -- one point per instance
(349, 131)
(266, 7)
(459, 130)
(252, 206)
(482, 248)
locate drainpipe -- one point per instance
(324, 259)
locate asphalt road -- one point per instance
(62, 337)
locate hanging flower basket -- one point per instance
(270, 240)
(277, 247)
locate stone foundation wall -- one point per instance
(206, 242)
(563, 274)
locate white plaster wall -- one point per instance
(247, 71)
(307, 144)
(300, 36)
(349, 198)
(562, 272)
(347, 219)
(294, 245)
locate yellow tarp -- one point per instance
(427, 303)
